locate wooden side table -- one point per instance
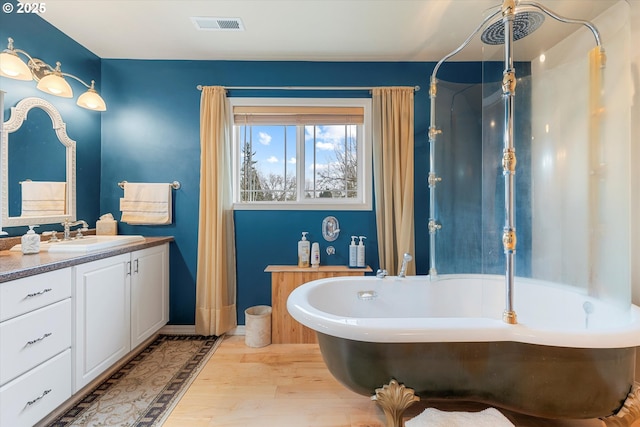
(284, 279)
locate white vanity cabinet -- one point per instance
(35, 341)
(149, 292)
(120, 302)
(61, 329)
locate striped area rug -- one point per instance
(144, 391)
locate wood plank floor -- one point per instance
(288, 385)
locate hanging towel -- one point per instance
(146, 204)
(431, 417)
(43, 198)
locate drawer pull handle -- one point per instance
(48, 334)
(44, 393)
(44, 291)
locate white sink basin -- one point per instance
(87, 244)
(92, 243)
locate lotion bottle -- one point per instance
(360, 253)
(303, 251)
(315, 254)
(30, 242)
(353, 252)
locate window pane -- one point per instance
(267, 163)
(331, 167)
(304, 161)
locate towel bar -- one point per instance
(175, 184)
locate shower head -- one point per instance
(524, 23)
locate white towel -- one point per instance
(146, 204)
(431, 417)
(43, 198)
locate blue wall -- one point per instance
(41, 40)
(150, 132)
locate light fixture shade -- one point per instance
(91, 101)
(13, 67)
(55, 85)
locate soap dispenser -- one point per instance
(353, 252)
(360, 253)
(303, 251)
(30, 242)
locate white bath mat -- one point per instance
(431, 417)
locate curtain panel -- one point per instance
(393, 157)
(216, 274)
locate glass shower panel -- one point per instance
(570, 131)
(569, 200)
(458, 161)
(580, 162)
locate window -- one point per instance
(301, 153)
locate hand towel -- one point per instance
(431, 417)
(43, 198)
(146, 204)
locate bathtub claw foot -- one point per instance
(394, 399)
(629, 413)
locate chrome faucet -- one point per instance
(67, 228)
(381, 274)
(403, 269)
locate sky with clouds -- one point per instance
(275, 147)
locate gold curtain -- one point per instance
(216, 274)
(393, 175)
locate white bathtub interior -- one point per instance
(543, 305)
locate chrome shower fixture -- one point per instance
(524, 23)
(515, 19)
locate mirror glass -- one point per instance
(38, 166)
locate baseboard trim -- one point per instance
(178, 329)
(191, 330)
(238, 330)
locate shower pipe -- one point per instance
(508, 12)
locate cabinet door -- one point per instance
(149, 292)
(102, 316)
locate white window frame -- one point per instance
(364, 148)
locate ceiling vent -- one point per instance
(206, 23)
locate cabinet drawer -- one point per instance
(29, 398)
(30, 339)
(30, 293)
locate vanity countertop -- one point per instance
(15, 265)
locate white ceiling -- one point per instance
(309, 30)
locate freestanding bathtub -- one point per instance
(569, 356)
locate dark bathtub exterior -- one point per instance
(543, 381)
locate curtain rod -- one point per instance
(199, 87)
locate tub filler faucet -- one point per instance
(381, 274)
(403, 268)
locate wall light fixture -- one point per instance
(50, 80)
